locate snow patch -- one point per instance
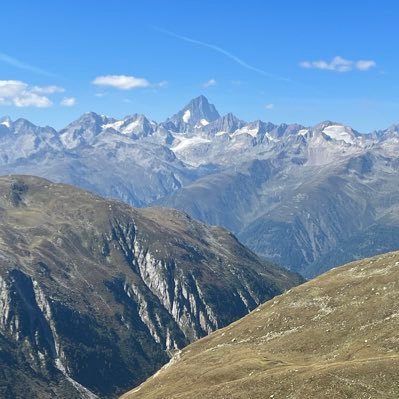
(271, 138)
(186, 116)
(121, 126)
(204, 122)
(339, 133)
(189, 142)
(246, 130)
(303, 132)
(6, 123)
(115, 125)
(131, 127)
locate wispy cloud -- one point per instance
(48, 89)
(209, 83)
(162, 83)
(339, 64)
(269, 106)
(20, 94)
(7, 59)
(222, 51)
(68, 101)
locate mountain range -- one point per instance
(95, 295)
(307, 198)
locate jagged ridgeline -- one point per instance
(95, 296)
(307, 198)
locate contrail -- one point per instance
(21, 65)
(224, 52)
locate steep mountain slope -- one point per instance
(333, 337)
(196, 114)
(95, 295)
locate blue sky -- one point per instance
(280, 61)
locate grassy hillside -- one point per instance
(333, 337)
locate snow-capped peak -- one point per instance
(196, 114)
(134, 126)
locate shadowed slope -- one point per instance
(96, 295)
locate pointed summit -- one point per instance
(83, 130)
(228, 123)
(198, 112)
(201, 106)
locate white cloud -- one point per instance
(68, 101)
(269, 106)
(121, 82)
(20, 94)
(209, 83)
(339, 64)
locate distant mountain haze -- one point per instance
(307, 198)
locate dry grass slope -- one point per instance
(334, 337)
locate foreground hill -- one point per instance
(333, 337)
(95, 296)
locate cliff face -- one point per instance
(95, 295)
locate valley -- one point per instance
(95, 295)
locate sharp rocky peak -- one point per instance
(196, 113)
(91, 118)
